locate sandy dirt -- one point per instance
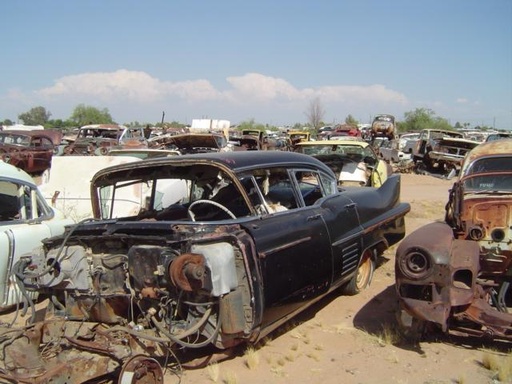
(353, 339)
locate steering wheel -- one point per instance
(218, 205)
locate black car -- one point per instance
(218, 250)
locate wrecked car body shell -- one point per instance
(383, 126)
(461, 282)
(188, 143)
(441, 151)
(31, 151)
(252, 239)
(451, 152)
(99, 139)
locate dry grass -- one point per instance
(314, 356)
(389, 335)
(281, 361)
(290, 356)
(252, 358)
(230, 378)
(213, 370)
(278, 371)
(427, 210)
(500, 366)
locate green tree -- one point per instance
(423, 118)
(85, 114)
(350, 120)
(36, 116)
(59, 124)
(7, 122)
(250, 124)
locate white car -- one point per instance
(390, 151)
(25, 220)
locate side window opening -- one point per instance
(310, 186)
(18, 202)
(270, 190)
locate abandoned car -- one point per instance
(25, 220)
(31, 151)
(188, 143)
(441, 151)
(390, 151)
(354, 162)
(460, 283)
(383, 126)
(220, 250)
(98, 139)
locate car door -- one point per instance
(345, 233)
(293, 247)
(42, 150)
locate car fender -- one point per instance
(432, 277)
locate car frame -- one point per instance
(229, 248)
(98, 139)
(441, 151)
(459, 283)
(188, 143)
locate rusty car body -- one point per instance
(29, 150)
(296, 137)
(249, 140)
(223, 249)
(455, 275)
(383, 125)
(98, 139)
(188, 143)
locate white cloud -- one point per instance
(134, 93)
(462, 100)
(107, 86)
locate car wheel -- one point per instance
(363, 277)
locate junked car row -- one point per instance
(220, 247)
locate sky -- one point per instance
(265, 61)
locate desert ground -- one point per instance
(353, 339)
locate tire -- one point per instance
(363, 277)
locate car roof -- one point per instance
(237, 161)
(360, 143)
(8, 171)
(497, 147)
(104, 126)
(37, 132)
